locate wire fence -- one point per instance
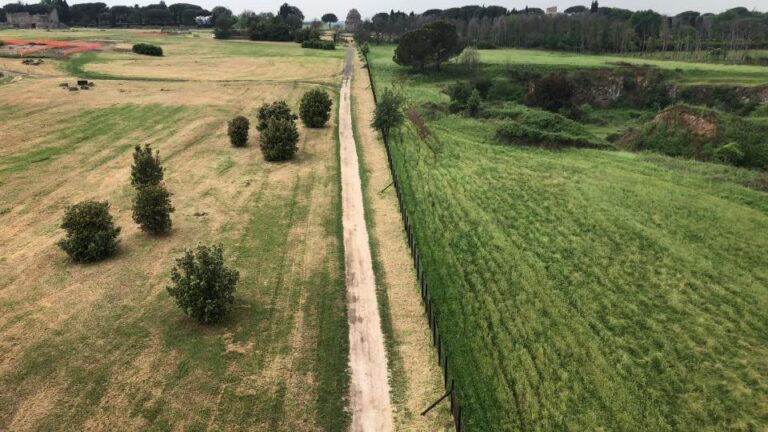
(426, 297)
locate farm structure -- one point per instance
(48, 20)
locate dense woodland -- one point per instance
(580, 28)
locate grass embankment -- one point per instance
(103, 346)
(587, 289)
(687, 72)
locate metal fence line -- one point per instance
(426, 297)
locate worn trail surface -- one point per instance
(369, 387)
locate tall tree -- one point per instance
(432, 44)
(330, 19)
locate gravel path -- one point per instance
(369, 388)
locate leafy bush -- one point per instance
(279, 140)
(365, 49)
(146, 168)
(91, 233)
(238, 131)
(729, 153)
(388, 114)
(275, 110)
(704, 134)
(315, 108)
(474, 102)
(222, 33)
(482, 45)
(152, 209)
(460, 92)
(536, 127)
(147, 49)
(553, 92)
(307, 33)
(505, 91)
(319, 44)
(202, 284)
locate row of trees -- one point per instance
(101, 15)
(281, 26)
(581, 28)
(201, 282)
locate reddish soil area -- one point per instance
(27, 47)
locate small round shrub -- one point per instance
(318, 44)
(238, 131)
(279, 139)
(202, 284)
(91, 232)
(152, 209)
(473, 103)
(730, 153)
(275, 110)
(315, 108)
(147, 49)
(146, 168)
(553, 92)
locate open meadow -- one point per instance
(103, 346)
(586, 289)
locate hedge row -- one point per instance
(147, 49)
(318, 44)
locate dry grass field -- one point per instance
(103, 346)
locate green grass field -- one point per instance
(689, 73)
(588, 289)
(103, 346)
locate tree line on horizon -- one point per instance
(591, 28)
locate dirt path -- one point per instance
(416, 377)
(369, 387)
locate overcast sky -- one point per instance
(315, 9)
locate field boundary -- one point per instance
(426, 296)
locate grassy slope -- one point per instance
(104, 346)
(690, 73)
(588, 289)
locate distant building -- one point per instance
(37, 21)
(354, 19)
(552, 10)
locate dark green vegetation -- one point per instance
(541, 128)
(152, 209)
(237, 129)
(203, 285)
(91, 232)
(583, 289)
(315, 108)
(318, 44)
(278, 136)
(147, 49)
(596, 30)
(431, 45)
(704, 134)
(276, 110)
(279, 140)
(388, 115)
(147, 168)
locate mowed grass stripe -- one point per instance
(585, 289)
